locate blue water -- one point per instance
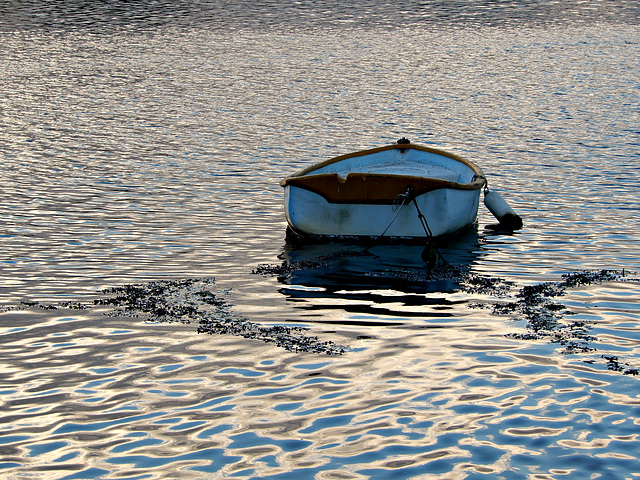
(144, 142)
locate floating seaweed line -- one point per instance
(45, 306)
(537, 303)
(544, 315)
(287, 267)
(192, 301)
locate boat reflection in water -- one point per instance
(377, 284)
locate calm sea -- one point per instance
(141, 146)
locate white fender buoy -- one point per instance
(502, 211)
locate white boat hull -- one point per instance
(394, 191)
(446, 212)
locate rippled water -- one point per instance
(144, 142)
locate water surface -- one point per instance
(145, 142)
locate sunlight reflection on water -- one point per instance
(150, 145)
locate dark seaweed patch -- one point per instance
(160, 301)
(282, 269)
(293, 339)
(546, 318)
(614, 363)
(480, 284)
(192, 301)
(43, 306)
(75, 305)
(576, 279)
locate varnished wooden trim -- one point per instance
(373, 188)
(370, 188)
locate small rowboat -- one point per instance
(402, 190)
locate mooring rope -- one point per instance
(423, 220)
(429, 257)
(398, 203)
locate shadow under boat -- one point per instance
(376, 282)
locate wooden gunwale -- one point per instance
(376, 188)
